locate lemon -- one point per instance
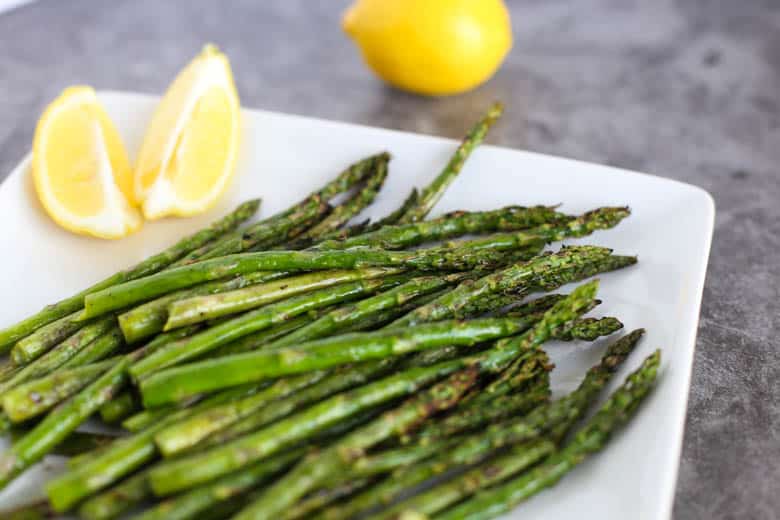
(189, 150)
(80, 167)
(433, 47)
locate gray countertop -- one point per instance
(687, 89)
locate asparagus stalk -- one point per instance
(390, 460)
(475, 416)
(338, 381)
(589, 329)
(315, 470)
(514, 376)
(590, 439)
(445, 494)
(57, 425)
(183, 473)
(192, 503)
(286, 224)
(119, 459)
(149, 318)
(188, 432)
(432, 193)
(39, 395)
(127, 403)
(202, 308)
(176, 475)
(262, 234)
(103, 346)
(61, 354)
(547, 271)
(349, 315)
(120, 407)
(151, 265)
(511, 218)
(34, 511)
(344, 212)
(254, 321)
(63, 420)
(265, 338)
(175, 384)
(116, 500)
(444, 258)
(39, 342)
(367, 227)
(478, 446)
(561, 412)
(316, 501)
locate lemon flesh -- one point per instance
(80, 167)
(189, 150)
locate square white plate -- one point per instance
(285, 157)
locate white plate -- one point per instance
(285, 157)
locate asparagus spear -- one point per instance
(183, 473)
(39, 342)
(338, 380)
(63, 420)
(445, 494)
(368, 227)
(149, 318)
(432, 193)
(193, 503)
(120, 458)
(120, 407)
(344, 212)
(177, 383)
(477, 415)
(103, 346)
(589, 329)
(56, 426)
(256, 320)
(348, 315)
(116, 500)
(389, 460)
(323, 497)
(314, 471)
(186, 433)
(267, 337)
(127, 402)
(547, 271)
(202, 308)
(590, 439)
(511, 218)
(61, 354)
(286, 224)
(476, 447)
(563, 411)
(444, 258)
(151, 265)
(262, 234)
(34, 511)
(39, 395)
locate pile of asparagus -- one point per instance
(303, 367)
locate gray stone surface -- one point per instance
(688, 89)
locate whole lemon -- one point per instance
(433, 47)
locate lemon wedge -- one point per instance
(189, 150)
(80, 167)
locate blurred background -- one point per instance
(686, 89)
